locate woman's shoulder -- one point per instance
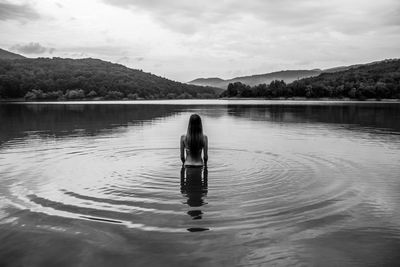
(183, 137)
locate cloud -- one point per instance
(189, 17)
(179, 15)
(32, 48)
(22, 12)
(183, 39)
(118, 52)
(392, 16)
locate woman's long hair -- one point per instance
(194, 136)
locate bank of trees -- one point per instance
(64, 79)
(58, 79)
(377, 80)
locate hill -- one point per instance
(215, 82)
(379, 79)
(287, 76)
(341, 68)
(4, 54)
(61, 78)
(374, 80)
(252, 80)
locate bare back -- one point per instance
(193, 158)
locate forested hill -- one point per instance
(374, 80)
(59, 78)
(4, 54)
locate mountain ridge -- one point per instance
(287, 76)
(4, 54)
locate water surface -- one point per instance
(288, 183)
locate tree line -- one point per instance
(375, 80)
(59, 79)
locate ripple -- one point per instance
(142, 188)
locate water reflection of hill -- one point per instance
(380, 116)
(62, 120)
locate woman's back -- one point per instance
(193, 143)
(193, 156)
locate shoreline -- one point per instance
(279, 99)
(314, 99)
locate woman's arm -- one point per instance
(205, 152)
(182, 145)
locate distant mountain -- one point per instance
(4, 54)
(63, 78)
(344, 68)
(341, 68)
(216, 82)
(287, 76)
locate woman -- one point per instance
(194, 142)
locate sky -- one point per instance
(187, 39)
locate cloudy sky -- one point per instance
(187, 39)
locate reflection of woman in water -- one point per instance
(194, 183)
(194, 187)
(194, 142)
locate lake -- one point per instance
(288, 183)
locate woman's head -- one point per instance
(194, 136)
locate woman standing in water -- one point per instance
(194, 142)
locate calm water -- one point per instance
(288, 183)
